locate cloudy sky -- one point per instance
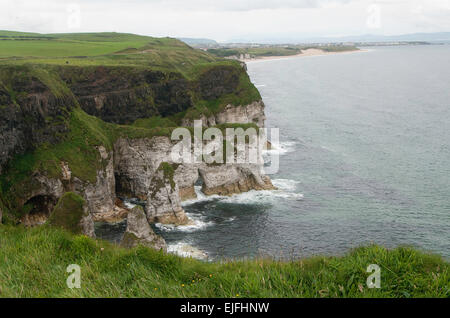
(230, 19)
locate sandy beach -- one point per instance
(308, 52)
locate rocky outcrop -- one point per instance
(100, 196)
(233, 179)
(136, 161)
(252, 113)
(72, 214)
(37, 107)
(139, 232)
(117, 214)
(245, 114)
(163, 200)
(41, 196)
(185, 177)
(42, 193)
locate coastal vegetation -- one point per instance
(274, 50)
(69, 106)
(33, 263)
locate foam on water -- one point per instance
(285, 189)
(201, 197)
(261, 197)
(285, 184)
(198, 224)
(281, 148)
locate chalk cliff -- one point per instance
(242, 114)
(70, 129)
(139, 232)
(163, 200)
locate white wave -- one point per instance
(285, 190)
(201, 197)
(281, 148)
(285, 184)
(128, 204)
(186, 250)
(260, 85)
(261, 197)
(197, 224)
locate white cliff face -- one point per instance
(163, 201)
(252, 113)
(136, 161)
(186, 175)
(134, 167)
(100, 196)
(247, 114)
(139, 232)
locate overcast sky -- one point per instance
(230, 19)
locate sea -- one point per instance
(364, 159)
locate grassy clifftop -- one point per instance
(107, 49)
(39, 270)
(62, 95)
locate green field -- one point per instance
(108, 49)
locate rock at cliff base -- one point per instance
(139, 232)
(71, 213)
(163, 200)
(233, 179)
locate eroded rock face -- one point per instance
(252, 113)
(123, 94)
(186, 175)
(100, 196)
(136, 162)
(233, 179)
(163, 200)
(28, 119)
(139, 232)
(44, 192)
(247, 114)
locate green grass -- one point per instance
(106, 49)
(33, 264)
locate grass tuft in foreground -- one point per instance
(33, 264)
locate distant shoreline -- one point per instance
(308, 52)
